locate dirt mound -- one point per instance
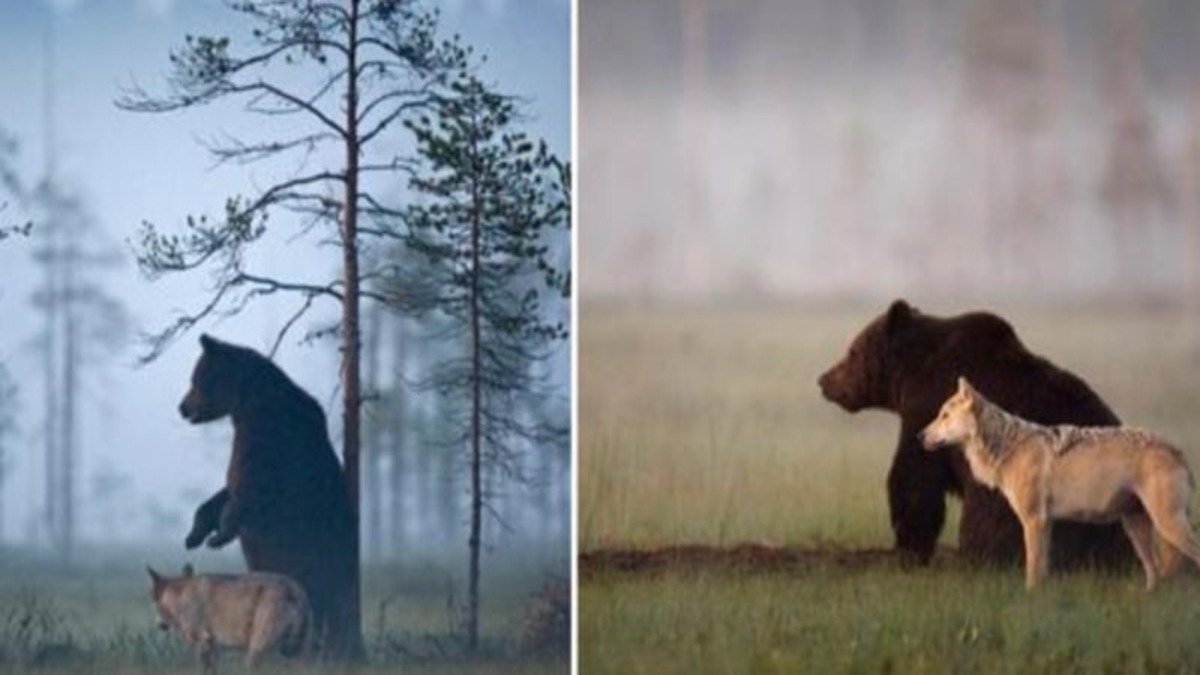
(740, 557)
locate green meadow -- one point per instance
(704, 425)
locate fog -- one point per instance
(825, 149)
(142, 468)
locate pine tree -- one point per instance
(491, 213)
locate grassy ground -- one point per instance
(100, 619)
(704, 425)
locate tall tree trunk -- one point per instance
(51, 380)
(352, 393)
(70, 395)
(51, 383)
(476, 429)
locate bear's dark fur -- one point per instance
(908, 362)
(285, 495)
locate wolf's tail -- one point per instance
(296, 639)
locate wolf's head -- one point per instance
(167, 596)
(957, 421)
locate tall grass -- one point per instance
(887, 620)
(699, 426)
(705, 425)
(100, 620)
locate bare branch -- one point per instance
(298, 102)
(159, 342)
(245, 153)
(287, 326)
(391, 117)
(267, 285)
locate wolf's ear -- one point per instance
(964, 386)
(154, 576)
(187, 569)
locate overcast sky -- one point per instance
(132, 168)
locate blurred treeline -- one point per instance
(853, 148)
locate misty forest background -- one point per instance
(856, 149)
(95, 462)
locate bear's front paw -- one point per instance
(219, 539)
(194, 538)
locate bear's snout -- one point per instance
(833, 388)
(188, 407)
(825, 382)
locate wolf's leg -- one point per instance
(1037, 549)
(1141, 535)
(206, 645)
(266, 632)
(207, 517)
(1168, 558)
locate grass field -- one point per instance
(704, 425)
(99, 619)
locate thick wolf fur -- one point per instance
(259, 612)
(1090, 474)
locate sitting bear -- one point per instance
(285, 494)
(908, 362)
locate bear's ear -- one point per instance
(208, 342)
(898, 315)
(187, 569)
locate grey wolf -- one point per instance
(1065, 472)
(259, 612)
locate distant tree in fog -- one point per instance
(1013, 80)
(1135, 182)
(491, 206)
(8, 429)
(111, 489)
(83, 324)
(344, 74)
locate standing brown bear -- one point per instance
(285, 495)
(908, 363)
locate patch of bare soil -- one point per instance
(748, 557)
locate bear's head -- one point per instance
(864, 376)
(215, 382)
